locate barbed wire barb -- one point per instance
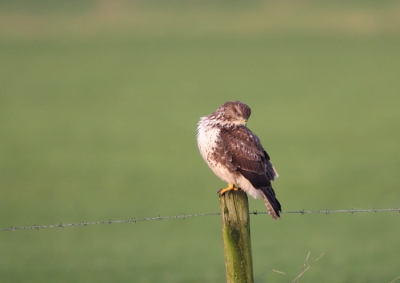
(184, 216)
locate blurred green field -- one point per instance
(99, 102)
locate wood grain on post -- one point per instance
(236, 237)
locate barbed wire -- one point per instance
(184, 216)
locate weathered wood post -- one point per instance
(236, 237)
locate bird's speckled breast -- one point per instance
(207, 141)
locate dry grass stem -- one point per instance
(395, 279)
(277, 271)
(304, 265)
(301, 274)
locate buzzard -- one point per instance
(235, 154)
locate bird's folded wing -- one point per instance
(248, 155)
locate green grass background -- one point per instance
(99, 102)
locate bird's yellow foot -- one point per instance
(229, 188)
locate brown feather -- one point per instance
(253, 162)
(247, 152)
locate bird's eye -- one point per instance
(238, 114)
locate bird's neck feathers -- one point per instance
(215, 120)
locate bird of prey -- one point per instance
(235, 154)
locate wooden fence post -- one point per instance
(236, 237)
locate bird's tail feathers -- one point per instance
(272, 204)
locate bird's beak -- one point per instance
(244, 122)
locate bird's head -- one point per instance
(235, 112)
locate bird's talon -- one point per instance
(229, 188)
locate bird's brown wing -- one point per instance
(248, 154)
(252, 161)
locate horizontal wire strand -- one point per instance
(135, 220)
